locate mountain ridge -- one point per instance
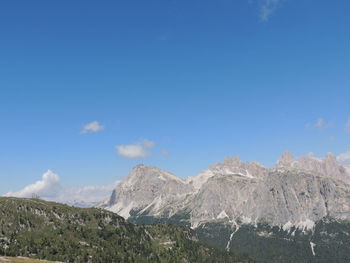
(233, 202)
(152, 190)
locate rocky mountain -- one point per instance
(147, 188)
(45, 230)
(230, 166)
(327, 166)
(296, 197)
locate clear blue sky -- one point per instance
(202, 79)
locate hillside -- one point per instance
(45, 230)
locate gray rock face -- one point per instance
(230, 166)
(327, 166)
(294, 193)
(299, 198)
(283, 198)
(146, 187)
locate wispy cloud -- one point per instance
(164, 153)
(268, 7)
(49, 188)
(319, 124)
(344, 157)
(94, 126)
(347, 125)
(147, 143)
(135, 150)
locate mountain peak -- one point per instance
(147, 172)
(331, 156)
(230, 166)
(327, 166)
(286, 160)
(146, 186)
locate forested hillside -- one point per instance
(45, 230)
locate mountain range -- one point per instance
(297, 211)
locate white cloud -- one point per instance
(49, 188)
(148, 143)
(347, 125)
(344, 158)
(85, 196)
(268, 8)
(136, 150)
(319, 124)
(132, 151)
(94, 126)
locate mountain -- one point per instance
(146, 188)
(230, 166)
(327, 166)
(283, 208)
(46, 230)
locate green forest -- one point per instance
(44, 230)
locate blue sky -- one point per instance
(201, 80)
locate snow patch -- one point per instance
(161, 177)
(287, 226)
(195, 223)
(293, 233)
(243, 174)
(306, 225)
(222, 215)
(264, 234)
(246, 220)
(312, 245)
(231, 236)
(229, 242)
